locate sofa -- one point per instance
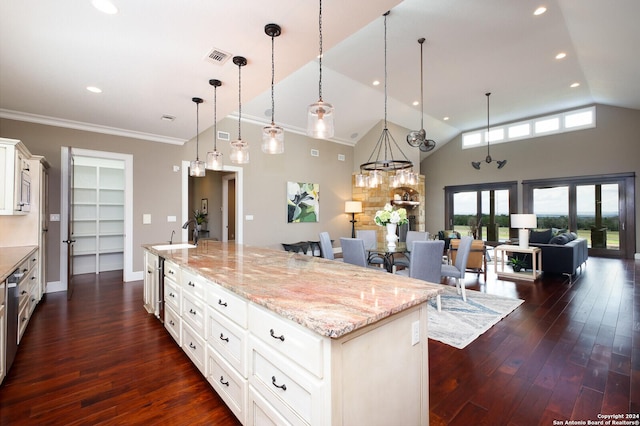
(562, 251)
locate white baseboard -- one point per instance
(134, 276)
(55, 286)
(637, 256)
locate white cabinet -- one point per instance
(14, 162)
(151, 283)
(98, 215)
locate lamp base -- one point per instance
(523, 238)
(353, 225)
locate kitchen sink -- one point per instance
(174, 246)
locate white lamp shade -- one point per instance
(523, 221)
(353, 207)
(320, 120)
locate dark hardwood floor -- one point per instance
(571, 351)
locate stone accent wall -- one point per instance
(374, 199)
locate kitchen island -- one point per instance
(286, 338)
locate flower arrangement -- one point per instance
(199, 217)
(389, 215)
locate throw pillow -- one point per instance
(570, 236)
(560, 240)
(540, 237)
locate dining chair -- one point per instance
(404, 259)
(458, 269)
(353, 252)
(326, 248)
(426, 263)
(370, 238)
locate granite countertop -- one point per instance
(328, 297)
(11, 257)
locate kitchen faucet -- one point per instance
(195, 229)
(171, 239)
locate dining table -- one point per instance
(387, 251)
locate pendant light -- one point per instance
(419, 138)
(239, 148)
(320, 114)
(272, 136)
(399, 171)
(488, 159)
(214, 158)
(197, 167)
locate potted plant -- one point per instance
(517, 264)
(200, 218)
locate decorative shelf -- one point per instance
(403, 203)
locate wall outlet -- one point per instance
(54, 217)
(146, 219)
(171, 218)
(415, 333)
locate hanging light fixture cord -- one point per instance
(488, 137)
(385, 72)
(421, 41)
(215, 119)
(197, 127)
(239, 99)
(273, 73)
(320, 52)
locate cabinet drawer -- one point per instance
(23, 320)
(172, 271)
(193, 346)
(193, 312)
(228, 304)
(172, 294)
(288, 338)
(33, 260)
(173, 324)
(288, 388)
(194, 284)
(260, 412)
(229, 384)
(228, 339)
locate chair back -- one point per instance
(426, 260)
(476, 255)
(415, 236)
(462, 257)
(369, 236)
(326, 250)
(353, 251)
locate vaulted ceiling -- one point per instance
(150, 59)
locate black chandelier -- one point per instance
(488, 159)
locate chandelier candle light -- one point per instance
(214, 158)
(239, 148)
(197, 167)
(391, 218)
(272, 136)
(399, 171)
(320, 114)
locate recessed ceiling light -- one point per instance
(540, 10)
(376, 83)
(561, 55)
(416, 103)
(94, 89)
(445, 118)
(576, 84)
(105, 6)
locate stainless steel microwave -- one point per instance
(25, 191)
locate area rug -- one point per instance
(460, 323)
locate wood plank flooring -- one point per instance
(570, 352)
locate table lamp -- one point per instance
(353, 207)
(523, 222)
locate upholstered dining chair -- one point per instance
(426, 263)
(353, 252)
(458, 269)
(404, 259)
(326, 249)
(370, 238)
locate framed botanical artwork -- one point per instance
(204, 206)
(303, 202)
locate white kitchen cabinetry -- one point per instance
(271, 370)
(173, 301)
(14, 158)
(98, 215)
(27, 292)
(151, 283)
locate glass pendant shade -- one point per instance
(239, 148)
(272, 139)
(214, 160)
(320, 120)
(197, 168)
(239, 152)
(375, 178)
(362, 180)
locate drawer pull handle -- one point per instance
(221, 303)
(23, 292)
(226, 339)
(191, 284)
(170, 271)
(276, 337)
(191, 345)
(172, 323)
(223, 382)
(191, 311)
(172, 295)
(273, 382)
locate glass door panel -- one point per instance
(465, 212)
(598, 215)
(495, 215)
(551, 206)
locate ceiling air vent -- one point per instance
(217, 56)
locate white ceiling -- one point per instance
(149, 60)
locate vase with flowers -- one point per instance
(391, 218)
(200, 218)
